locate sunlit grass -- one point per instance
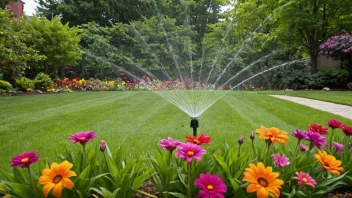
(137, 121)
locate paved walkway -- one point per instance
(337, 109)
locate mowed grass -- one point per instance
(136, 121)
(339, 97)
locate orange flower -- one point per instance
(273, 134)
(262, 180)
(329, 162)
(202, 139)
(56, 177)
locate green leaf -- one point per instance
(179, 195)
(144, 193)
(21, 190)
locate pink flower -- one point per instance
(102, 146)
(303, 147)
(25, 159)
(299, 134)
(169, 144)
(190, 151)
(305, 179)
(338, 147)
(332, 123)
(316, 139)
(211, 186)
(82, 137)
(240, 140)
(280, 160)
(318, 129)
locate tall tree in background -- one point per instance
(57, 42)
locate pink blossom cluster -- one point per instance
(338, 46)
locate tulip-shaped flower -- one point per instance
(102, 146)
(210, 186)
(190, 151)
(305, 179)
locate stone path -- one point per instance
(337, 109)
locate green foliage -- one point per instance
(58, 43)
(5, 85)
(349, 85)
(24, 83)
(43, 82)
(329, 78)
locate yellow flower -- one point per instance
(262, 180)
(56, 177)
(329, 162)
(273, 134)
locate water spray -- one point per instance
(194, 125)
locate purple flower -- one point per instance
(169, 144)
(102, 146)
(240, 140)
(338, 147)
(190, 151)
(280, 160)
(25, 159)
(316, 139)
(82, 137)
(299, 134)
(252, 136)
(303, 148)
(210, 186)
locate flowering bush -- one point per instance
(319, 164)
(338, 47)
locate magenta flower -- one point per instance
(25, 159)
(82, 137)
(332, 123)
(102, 146)
(299, 134)
(240, 140)
(211, 186)
(190, 151)
(338, 147)
(169, 144)
(280, 160)
(303, 147)
(316, 139)
(305, 179)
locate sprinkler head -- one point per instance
(194, 122)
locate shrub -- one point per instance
(5, 85)
(349, 85)
(24, 83)
(43, 82)
(329, 78)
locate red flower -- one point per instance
(202, 139)
(332, 123)
(318, 129)
(347, 130)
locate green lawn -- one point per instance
(339, 97)
(137, 120)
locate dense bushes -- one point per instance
(327, 78)
(4, 85)
(43, 82)
(24, 84)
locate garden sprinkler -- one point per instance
(194, 125)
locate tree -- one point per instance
(14, 53)
(58, 43)
(310, 22)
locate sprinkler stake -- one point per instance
(194, 125)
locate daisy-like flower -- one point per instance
(25, 159)
(280, 160)
(316, 139)
(262, 180)
(347, 130)
(169, 144)
(338, 147)
(202, 139)
(332, 123)
(102, 146)
(190, 151)
(273, 134)
(56, 177)
(82, 137)
(329, 162)
(303, 147)
(318, 129)
(305, 179)
(210, 186)
(299, 134)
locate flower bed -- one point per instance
(319, 164)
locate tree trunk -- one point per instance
(314, 63)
